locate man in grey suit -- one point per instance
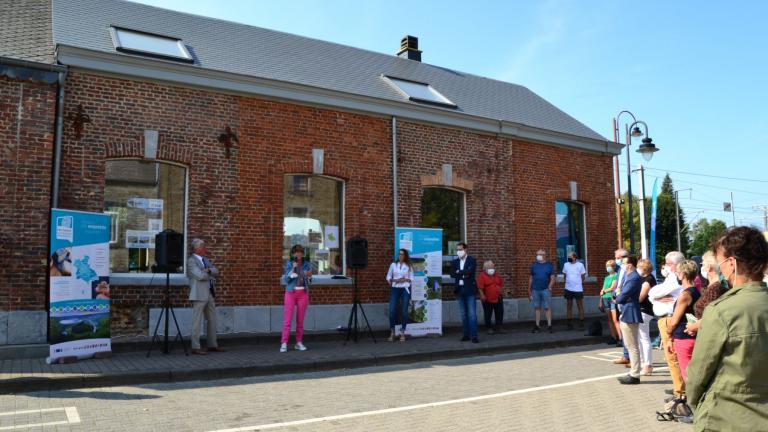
(202, 275)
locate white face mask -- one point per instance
(461, 254)
(704, 272)
(665, 271)
(539, 258)
(491, 272)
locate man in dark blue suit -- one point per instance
(628, 295)
(463, 273)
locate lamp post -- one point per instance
(647, 149)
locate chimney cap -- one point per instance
(409, 48)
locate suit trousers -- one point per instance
(678, 385)
(205, 309)
(631, 335)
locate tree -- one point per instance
(666, 228)
(703, 233)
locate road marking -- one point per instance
(419, 406)
(598, 358)
(73, 417)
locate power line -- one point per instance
(702, 174)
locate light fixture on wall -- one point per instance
(78, 120)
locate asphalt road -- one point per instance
(572, 389)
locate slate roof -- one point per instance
(25, 30)
(232, 47)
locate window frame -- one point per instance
(392, 81)
(462, 217)
(150, 278)
(585, 257)
(316, 278)
(185, 56)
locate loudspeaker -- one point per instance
(357, 253)
(169, 250)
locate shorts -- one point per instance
(608, 303)
(541, 299)
(573, 295)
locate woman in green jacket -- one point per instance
(728, 377)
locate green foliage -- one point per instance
(666, 229)
(703, 234)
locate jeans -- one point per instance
(468, 312)
(298, 299)
(396, 294)
(494, 309)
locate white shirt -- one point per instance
(461, 267)
(670, 287)
(199, 258)
(620, 278)
(399, 271)
(573, 273)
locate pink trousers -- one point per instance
(299, 299)
(684, 350)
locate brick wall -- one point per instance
(236, 203)
(27, 113)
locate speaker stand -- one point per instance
(164, 316)
(352, 323)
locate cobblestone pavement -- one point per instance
(567, 389)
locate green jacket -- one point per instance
(728, 374)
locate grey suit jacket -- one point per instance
(199, 280)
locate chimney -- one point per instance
(409, 48)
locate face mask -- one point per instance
(609, 269)
(704, 272)
(723, 279)
(665, 271)
(570, 260)
(491, 272)
(539, 258)
(461, 254)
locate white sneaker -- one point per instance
(300, 347)
(284, 347)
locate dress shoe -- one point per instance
(536, 329)
(627, 379)
(550, 329)
(216, 349)
(465, 339)
(475, 340)
(198, 351)
(621, 361)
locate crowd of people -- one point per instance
(713, 323)
(712, 317)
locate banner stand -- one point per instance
(425, 247)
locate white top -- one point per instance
(573, 273)
(200, 259)
(399, 271)
(670, 287)
(461, 267)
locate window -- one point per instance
(569, 231)
(136, 42)
(143, 198)
(420, 92)
(313, 217)
(444, 208)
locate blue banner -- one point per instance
(425, 247)
(654, 201)
(78, 274)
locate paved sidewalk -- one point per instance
(262, 358)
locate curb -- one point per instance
(34, 384)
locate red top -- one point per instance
(490, 286)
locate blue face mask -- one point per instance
(723, 280)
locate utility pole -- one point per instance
(677, 218)
(733, 210)
(764, 208)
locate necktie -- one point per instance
(210, 281)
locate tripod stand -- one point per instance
(167, 308)
(352, 324)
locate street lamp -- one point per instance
(646, 149)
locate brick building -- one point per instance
(254, 140)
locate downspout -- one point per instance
(57, 139)
(394, 170)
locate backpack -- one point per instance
(595, 328)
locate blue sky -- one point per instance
(694, 71)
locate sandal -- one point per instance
(665, 416)
(402, 337)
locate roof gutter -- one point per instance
(57, 139)
(187, 75)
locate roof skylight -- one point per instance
(148, 44)
(420, 92)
